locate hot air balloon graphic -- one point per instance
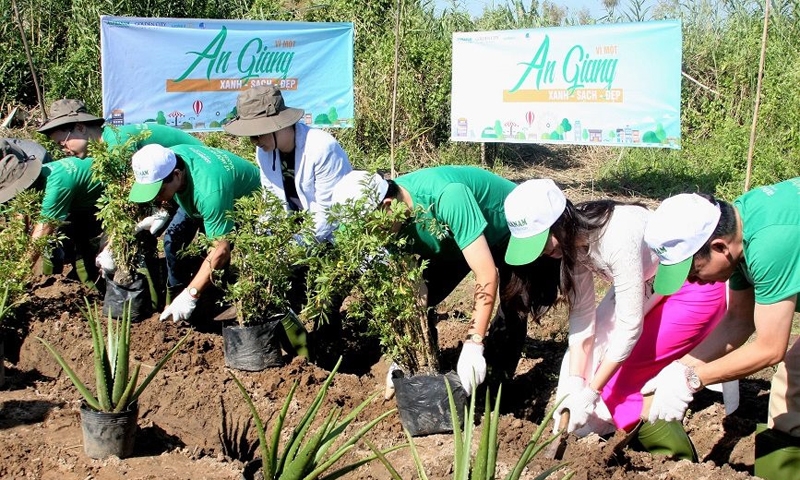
(197, 106)
(530, 117)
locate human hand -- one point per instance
(388, 392)
(580, 406)
(571, 386)
(181, 308)
(671, 393)
(105, 262)
(471, 366)
(154, 223)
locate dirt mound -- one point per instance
(194, 423)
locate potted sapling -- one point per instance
(373, 268)
(109, 417)
(269, 243)
(128, 278)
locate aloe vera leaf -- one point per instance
(304, 425)
(382, 458)
(157, 367)
(297, 467)
(479, 463)
(102, 370)
(461, 447)
(350, 442)
(415, 455)
(126, 394)
(87, 395)
(491, 454)
(554, 468)
(341, 472)
(335, 432)
(267, 462)
(122, 357)
(276, 432)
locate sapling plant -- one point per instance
(117, 388)
(371, 265)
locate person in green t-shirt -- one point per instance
(70, 195)
(753, 243)
(467, 203)
(204, 182)
(72, 127)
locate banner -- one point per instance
(615, 85)
(188, 72)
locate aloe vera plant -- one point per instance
(307, 455)
(482, 465)
(116, 389)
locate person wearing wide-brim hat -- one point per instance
(72, 127)
(69, 199)
(753, 243)
(299, 164)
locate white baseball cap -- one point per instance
(151, 165)
(531, 209)
(678, 228)
(359, 184)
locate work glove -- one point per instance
(154, 223)
(105, 262)
(471, 366)
(672, 393)
(570, 388)
(388, 393)
(181, 308)
(580, 406)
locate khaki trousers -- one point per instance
(784, 395)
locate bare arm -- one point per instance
(479, 258)
(39, 231)
(772, 324)
(217, 259)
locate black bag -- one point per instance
(136, 292)
(423, 404)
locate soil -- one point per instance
(194, 423)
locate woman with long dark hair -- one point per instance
(617, 345)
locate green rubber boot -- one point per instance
(667, 438)
(296, 334)
(777, 454)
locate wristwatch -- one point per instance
(194, 293)
(475, 338)
(692, 380)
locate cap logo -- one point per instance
(518, 223)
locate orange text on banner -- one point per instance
(594, 95)
(227, 84)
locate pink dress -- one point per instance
(671, 329)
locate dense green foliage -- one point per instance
(720, 61)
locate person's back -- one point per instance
(155, 134)
(467, 201)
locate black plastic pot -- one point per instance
(253, 347)
(136, 292)
(106, 434)
(423, 404)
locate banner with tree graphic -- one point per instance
(188, 72)
(615, 84)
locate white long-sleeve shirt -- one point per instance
(618, 254)
(320, 163)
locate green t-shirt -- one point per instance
(159, 135)
(68, 187)
(216, 179)
(463, 202)
(771, 238)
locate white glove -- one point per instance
(580, 406)
(181, 308)
(471, 366)
(672, 393)
(570, 388)
(105, 262)
(154, 222)
(388, 393)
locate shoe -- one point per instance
(777, 454)
(667, 438)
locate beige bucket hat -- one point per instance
(260, 110)
(20, 165)
(65, 112)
